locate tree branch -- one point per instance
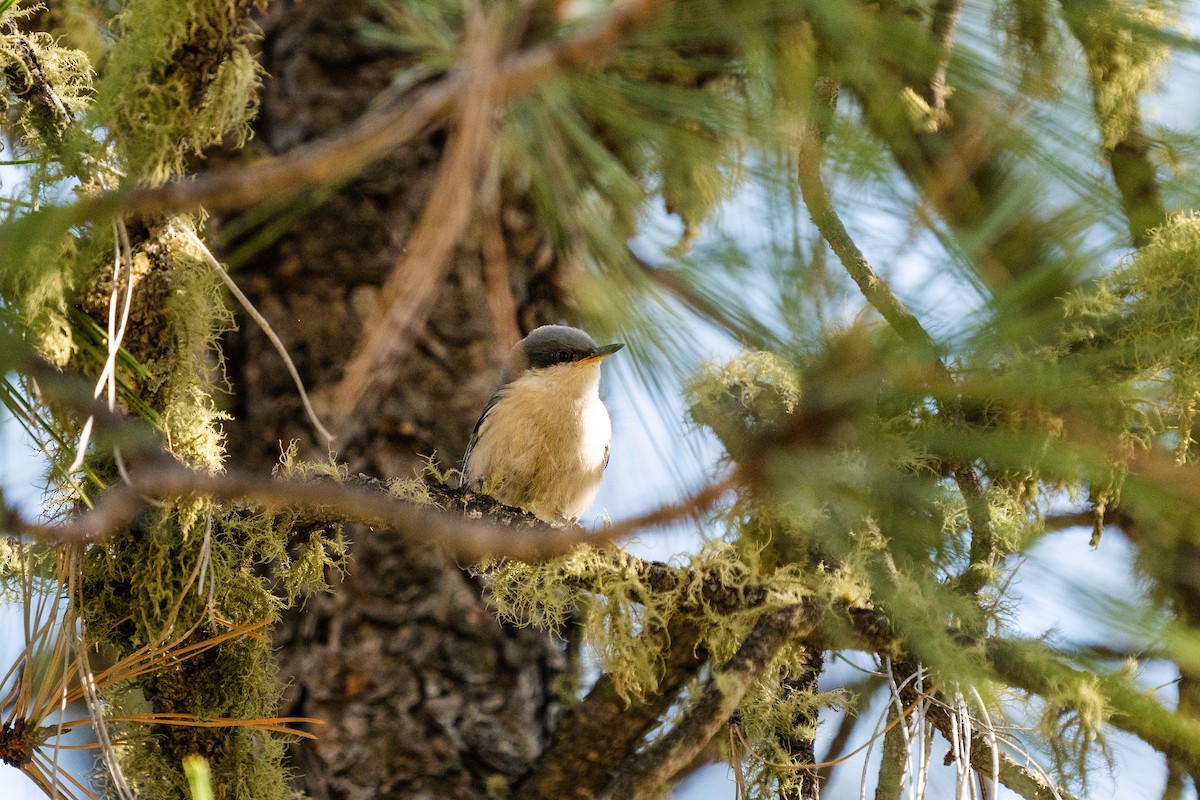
(38, 90)
(404, 300)
(374, 136)
(941, 30)
(606, 728)
(876, 291)
(1031, 667)
(465, 539)
(662, 760)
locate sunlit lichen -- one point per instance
(178, 80)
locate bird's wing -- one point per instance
(475, 433)
(605, 459)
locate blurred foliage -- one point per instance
(880, 478)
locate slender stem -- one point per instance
(466, 539)
(941, 30)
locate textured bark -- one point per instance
(423, 692)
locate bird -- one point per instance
(541, 443)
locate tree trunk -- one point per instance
(423, 693)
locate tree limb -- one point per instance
(38, 90)
(403, 302)
(1031, 667)
(941, 30)
(465, 539)
(606, 728)
(661, 761)
(1128, 153)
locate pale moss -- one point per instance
(1147, 313)
(921, 116)
(748, 377)
(44, 307)
(618, 607)
(416, 489)
(196, 315)
(1125, 61)
(294, 468)
(179, 79)
(775, 712)
(412, 490)
(1073, 722)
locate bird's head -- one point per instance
(552, 346)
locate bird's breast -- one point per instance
(546, 443)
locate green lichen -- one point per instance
(1073, 721)
(197, 316)
(178, 80)
(618, 605)
(65, 72)
(775, 713)
(1123, 59)
(1146, 318)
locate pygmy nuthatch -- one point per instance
(542, 440)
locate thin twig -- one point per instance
(497, 276)
(941, 30)
(465, 539)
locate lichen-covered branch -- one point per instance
(1032, 667)
(607, 726)
(880, 296)
(662, 760)
(33, 85)
(941, 31)
(1120, 62)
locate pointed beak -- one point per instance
(605, 351)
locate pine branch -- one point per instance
(880, 296)
(1032, 667)
(876, 290)
(941, 30)
(661, 761)
(407, 295)
(960, 170)
(606, 728)
(464, 539)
